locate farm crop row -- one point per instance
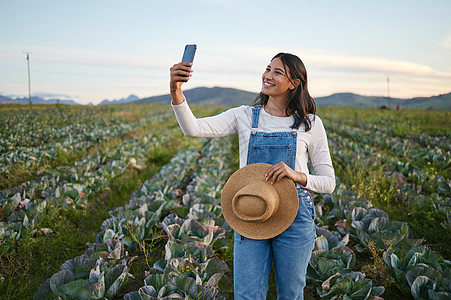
(409, 195)
(68, 187)
(412, 184)
(392, 170)
(433, 139)
(191, 221)
(54, 208)
(20, 149)
(423, 127)
(47, 116)
(405, 148)
(359, 249)
(190, 267)
(419, 176)
(193, 224)
(399, 262)
(58, 124)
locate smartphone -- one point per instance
(188, 54)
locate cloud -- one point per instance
(446, 43)
(86, 57)
(96, 75)
(47, 96)
(252, 59)
(241, 59)
(355, 64)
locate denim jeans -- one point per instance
(290, 251)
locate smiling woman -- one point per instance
(282, 131)
(278, 77)
(277, 84)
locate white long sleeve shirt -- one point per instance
(237, 120)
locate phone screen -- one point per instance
(188, 54)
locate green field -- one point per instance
(113, 202)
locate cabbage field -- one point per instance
(113, 202)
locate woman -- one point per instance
(282, 120)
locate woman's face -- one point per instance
(275, 81)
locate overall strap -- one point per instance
(255, 115)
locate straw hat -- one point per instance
(254, 207)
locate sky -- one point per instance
(93, 50)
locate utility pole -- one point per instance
(29, 81)
(388, 92)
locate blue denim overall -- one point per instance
(290, 250)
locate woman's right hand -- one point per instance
(180, 73)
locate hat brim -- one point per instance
(278, 222)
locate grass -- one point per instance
(141, 264)
(424, 222)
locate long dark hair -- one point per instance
(300, 104)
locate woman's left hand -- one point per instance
(281, 170)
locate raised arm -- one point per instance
(179, 74)
(215, 126)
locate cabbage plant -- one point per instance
(188, 270)
(325, 263)
(192, 230)
(208, 272)
(98, 274)
(429, 283)
(327, 240)
(128, 226)
(164, 184)
(373, 225)
(349, 286)
(343, 201)
(211, 173)
(165, 287)
(404, 266)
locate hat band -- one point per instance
(256, 202)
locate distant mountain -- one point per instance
(203, 95)
(353, 100)
(34, 100)
(435, 102)
(232, 97)
(4, 99)
(131, 98)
